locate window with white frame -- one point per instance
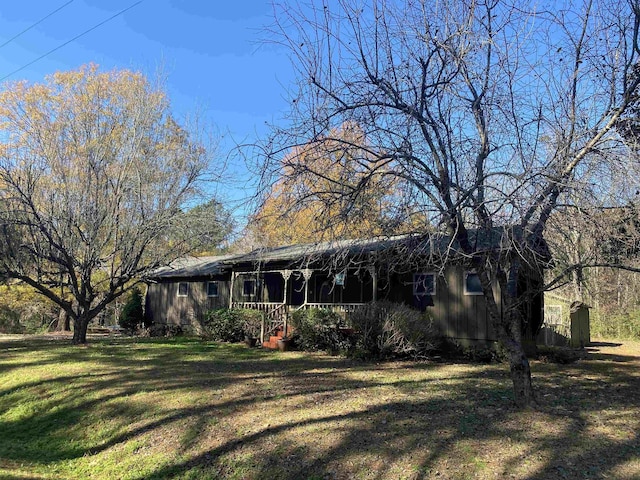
(424, 283)
(212, 289)
(183, 289)
(472, 285)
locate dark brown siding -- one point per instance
(466, 316)
(458, 316)
(164, 305)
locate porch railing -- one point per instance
(334, 307)
(261, 306)
(275, 316)
(343, 309)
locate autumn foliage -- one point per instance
(329, 188)
(94, 170)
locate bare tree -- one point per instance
(491, 111)
(94, 171)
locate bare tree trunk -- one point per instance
(79, 332)
(509, 330)
(510, 336)
(520, 374)
(578, 284)
(80, 324)
(64, 321)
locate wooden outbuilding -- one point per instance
(565, 323)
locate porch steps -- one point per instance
(272, 343)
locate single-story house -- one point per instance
(341, 276)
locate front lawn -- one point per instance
(184, 408)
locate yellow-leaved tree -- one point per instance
(94, 172)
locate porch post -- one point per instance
(306, 273)
(233, 277)
(286, 274)
(374, 278)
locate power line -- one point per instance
(37, 23)
(69, 41)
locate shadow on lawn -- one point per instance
(420, 429)
(607, 351)
(406, 429)
(604, 344)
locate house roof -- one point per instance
(192, 267)
(495, 239)
(319, 249)
(406, 247)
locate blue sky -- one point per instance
(213, 53)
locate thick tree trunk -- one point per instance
(520, 374)
(80, 324)
(508, 322)
(64, 321)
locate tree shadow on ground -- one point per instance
(254, 414)
(604, 344)
(430, 432)
(608, 351)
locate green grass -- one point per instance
(189, 409)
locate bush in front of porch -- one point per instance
(231, 325)
(378, 330)
(318, 329)
(388, 329)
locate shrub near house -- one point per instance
(132, 314)
(379, 329)
(231, 325)
(317, 329)
(390, 329)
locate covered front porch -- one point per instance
(278, 293)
